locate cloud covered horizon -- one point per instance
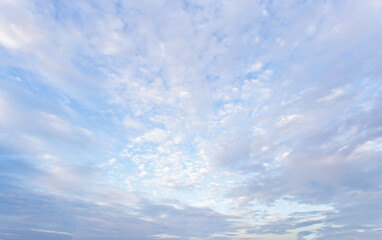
(220, 120)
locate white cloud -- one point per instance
(256, 67)
(282, 156)
(335, 93)
(288, 119)
(167, 87)
(16, 36)
(155, 135)
(17, 33)
(130, 123)
(112, 161)
(51, 231)
(5, 111)
(165, 236)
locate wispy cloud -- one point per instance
(165, 236)
(50, 231)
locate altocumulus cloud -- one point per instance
(190, 120)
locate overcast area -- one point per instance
(190, 120)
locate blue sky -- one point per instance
(217, 120)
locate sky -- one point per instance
(190, 119)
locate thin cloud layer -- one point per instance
(190, 120)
